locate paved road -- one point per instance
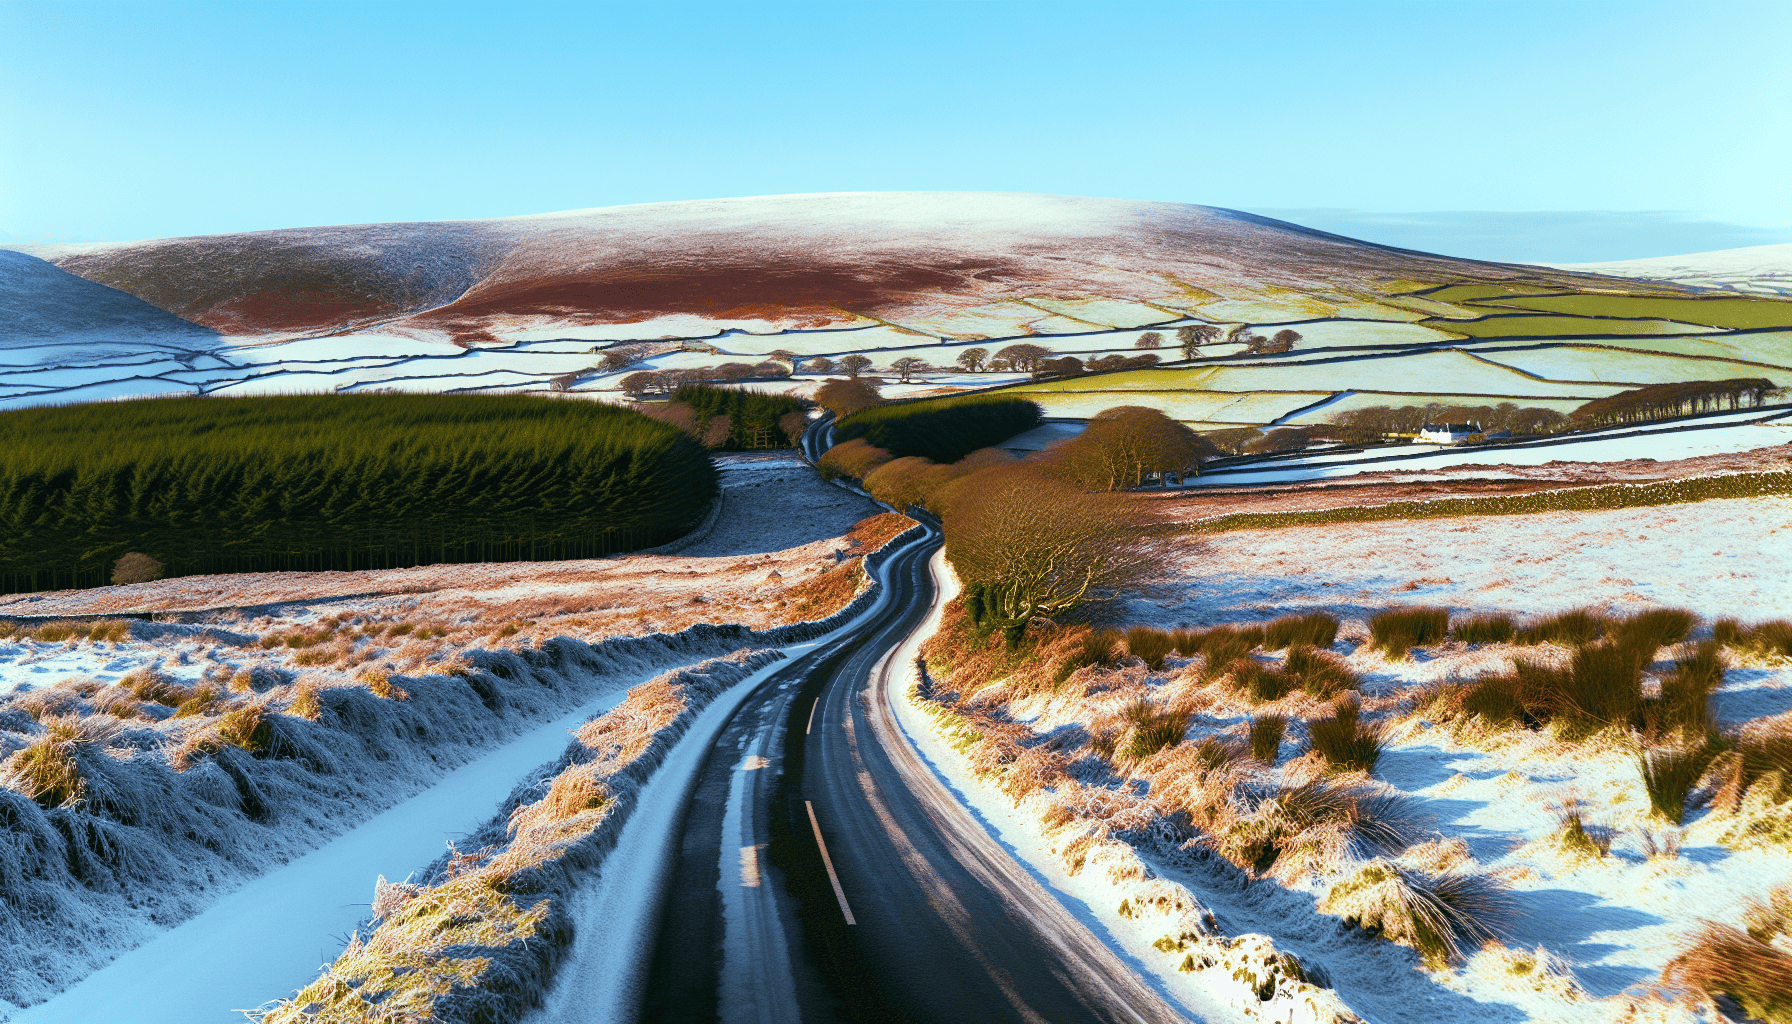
(944, 924)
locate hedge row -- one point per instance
(335, 482)
(1578, 499)
(943, 430)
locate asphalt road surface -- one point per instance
(913, 913)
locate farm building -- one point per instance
(1448, 433)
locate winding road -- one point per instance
(823, 872)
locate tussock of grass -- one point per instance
(1669, 775)
(1319, 673)
(1259, 681)
(1223, 646)
(1152, 730)
(1266, 737)
(1397, 631)
(1685, 702)
(1569, 629)
(1292, 830)
(1151, 646)
(1318, 629)
(1345, 741)
(1724, 961)
(1729, 632)
(1773, 637)
(1576, 834)
(1483, 629)
(1441, 916)
(1653, 629)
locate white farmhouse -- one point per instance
(1447, 433)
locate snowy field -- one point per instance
(1584, 937)
(1662, 443)
(1726, 557)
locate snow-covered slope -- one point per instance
(1757, 269)
(788, 261)
(44, 306)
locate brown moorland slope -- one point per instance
(793, 261)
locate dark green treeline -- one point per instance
(309, 482)
(754, 419)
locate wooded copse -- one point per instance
(308, 482)
(733, 419)
(943, 430)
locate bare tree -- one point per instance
(1123, 445)
(770, 369)
(973, 359)
(820, 364)
(621, 358)
(1027, 544)
(136, 567)
(845, 397)
(1193, 336)
(1023, 357)
(907, 367)
(1150, 339)
(788, 356)
(854, 365)
(733, 371)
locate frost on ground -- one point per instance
(150, 767)
(1725, 557)
(784, 549)
(1471, 868)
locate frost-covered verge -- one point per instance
(1080, 840)
(480, 938)
(128, 808)
(1532, 857)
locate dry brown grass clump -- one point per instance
(1747, 966)
(1151, 646)
(1442, 916)
(1569, 629)
(1483, 629)
(1344, 740)
(49, 770)
(1318, 629)
(1319, 673)
(1291, 830)
(1397, 631)
(1266, 737)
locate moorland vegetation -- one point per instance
(335, 482)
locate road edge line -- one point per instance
(828, 862)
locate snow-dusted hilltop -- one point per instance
(1759, 269)
(955, 263)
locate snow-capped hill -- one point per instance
(44, 305)
(939, 262)
(1757, 269)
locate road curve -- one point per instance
(945, 924)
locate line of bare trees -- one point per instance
(1664, 401)
(1379, 422)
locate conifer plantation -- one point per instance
(310, 482)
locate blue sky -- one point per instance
(1508, 130)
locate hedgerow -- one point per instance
(944, 430)
(1578, 499)
(305, 482)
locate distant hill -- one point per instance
(713, 289)
(956, 263)
(1756, 269)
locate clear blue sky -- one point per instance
(1501, 130)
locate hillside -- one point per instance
(713, 289)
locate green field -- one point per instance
(1500, 326)
(1726, 312)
